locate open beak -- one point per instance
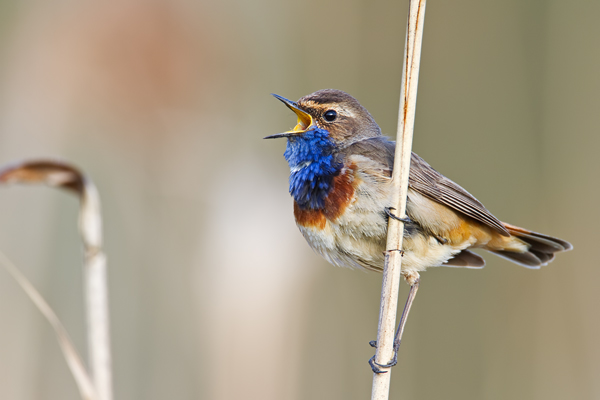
(305, 120)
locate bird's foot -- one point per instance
(389, 251)
(413, 279)
(375, 366)
(390, 214)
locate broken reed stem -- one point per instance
(95, 384)
(76, 365)
(392, 268)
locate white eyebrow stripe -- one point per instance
(345, 112)
(322, 107)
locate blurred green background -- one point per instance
(214, 293)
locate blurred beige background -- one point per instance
(214, 293)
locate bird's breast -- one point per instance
(335, 204)
(349, 230)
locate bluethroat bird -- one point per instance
(340, 175)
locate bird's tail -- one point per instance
(541, 248)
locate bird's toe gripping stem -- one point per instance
(390, 214)
(375, 366)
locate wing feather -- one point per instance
(426, 180)
(430, 183)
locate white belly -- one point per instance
(357, 238)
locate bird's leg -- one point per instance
(390, 214)
(413, 280)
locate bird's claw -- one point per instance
(390, 214)
(398, 250)
(392, 363)
(375, 365)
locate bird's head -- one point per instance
(334, 111)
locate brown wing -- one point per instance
(430, 183)
(427, 181)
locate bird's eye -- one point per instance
(330, 115)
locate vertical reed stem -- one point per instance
(392, 269)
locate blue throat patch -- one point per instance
(312, 167)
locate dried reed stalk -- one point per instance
(392, 269)
(98, 383)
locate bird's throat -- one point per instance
(313, 166)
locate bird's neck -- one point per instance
(313, 166)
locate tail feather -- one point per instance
(545, 258)
(465, 259)
(526, 259)
(539, 239)
(541, 248)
